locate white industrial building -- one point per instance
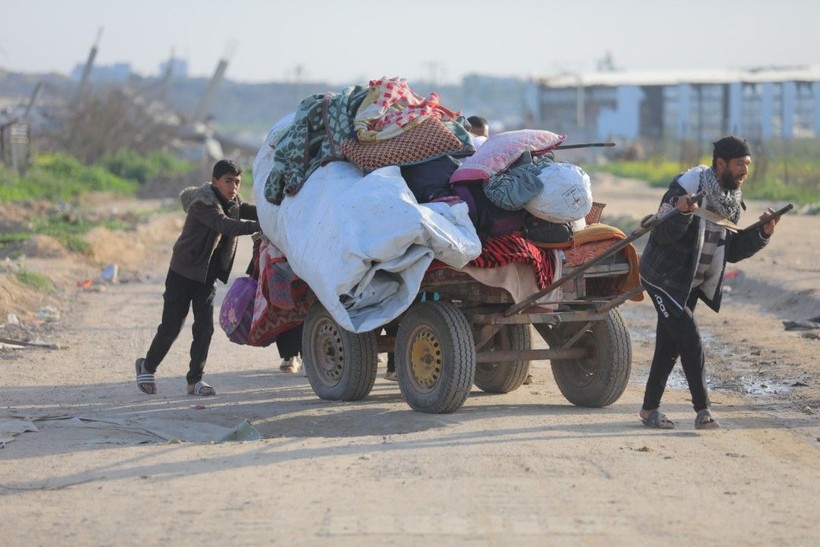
(763, 104)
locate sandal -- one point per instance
(658, 420)
(705, 420)
(145, 380)
(202, 389)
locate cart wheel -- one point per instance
(435, 357)
(503, 377)
(599, 379)
(340, 365)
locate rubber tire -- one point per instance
(436, 331)
(601, 378)
(507, 376)
(340, 365)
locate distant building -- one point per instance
(502, 101)
(118, 72)
(694, 105)
(179, 68)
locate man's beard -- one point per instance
(729, 182)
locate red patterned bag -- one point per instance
(281, 300)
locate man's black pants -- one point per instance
(289, 342)
(180, 294)
(676, 335)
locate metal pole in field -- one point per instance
(89, 64)
(213, 85)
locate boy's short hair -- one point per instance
(225, 167)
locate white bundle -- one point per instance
(567, 194)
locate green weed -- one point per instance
(34, 280)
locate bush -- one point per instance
(130, 165)
(60, 177)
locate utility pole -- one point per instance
(433, 67)
(32, 100)
(89, 64)
(165, 85)
(213, 85)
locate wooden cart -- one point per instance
(473, 334)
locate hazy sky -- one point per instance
(351, 41)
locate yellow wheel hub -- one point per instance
(426, 358)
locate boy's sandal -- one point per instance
(658, 420)
(704, 420)
(202, 389)
(145, 380)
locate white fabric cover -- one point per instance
(567, 194)
(363, 244)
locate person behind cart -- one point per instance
(479, 129)
(684, 261)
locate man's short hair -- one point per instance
(731, 147)
(226, 167)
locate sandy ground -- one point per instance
(524, 468)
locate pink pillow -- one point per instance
(502, 150)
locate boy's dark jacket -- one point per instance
(206, 224)
(670, 258)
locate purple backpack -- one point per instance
(236, 313)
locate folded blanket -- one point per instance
(320, 125)
(391, 108)
(513, 247)
(595, 240)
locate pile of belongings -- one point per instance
(363, 189)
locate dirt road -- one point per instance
(525, 468)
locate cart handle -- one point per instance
(584, 145)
